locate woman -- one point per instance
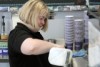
(26, 47)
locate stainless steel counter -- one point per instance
(80, 62)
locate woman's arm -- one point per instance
(35, 46)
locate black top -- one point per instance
(16, 57)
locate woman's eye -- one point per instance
(41, 18)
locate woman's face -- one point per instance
(41, 20)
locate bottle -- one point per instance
(3, 34)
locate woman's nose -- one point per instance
(43, 22)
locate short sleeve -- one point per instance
(19, 38)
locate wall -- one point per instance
(56, 25)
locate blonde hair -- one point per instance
(30, 11)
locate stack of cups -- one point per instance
(86, 18)
(86, 41)
(79, 33)
(69, 32)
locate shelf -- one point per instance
(4, 60)
(94, 2)
(48, 4)
(3, 40)
(12, 1)
(10, 5)
(60, 4)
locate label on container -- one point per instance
(5, 53)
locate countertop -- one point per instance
(80, 62)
